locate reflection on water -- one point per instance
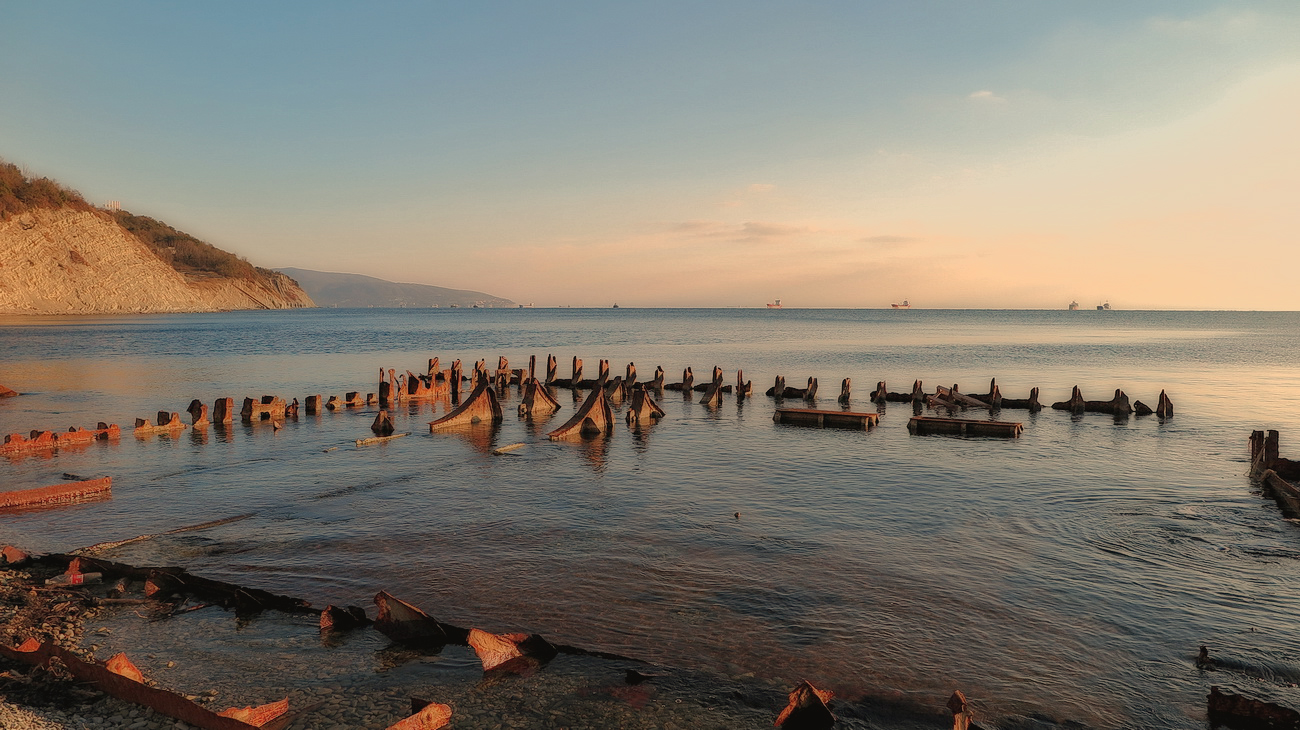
(1068, 574)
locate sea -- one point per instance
(1065, 578)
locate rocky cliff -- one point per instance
(69, 261)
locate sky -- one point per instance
(681, 154)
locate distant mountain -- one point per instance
(329, 289)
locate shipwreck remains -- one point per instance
(481, 406)
(926, 425)
(826, 419)
(713, 391)
(37, 441)
(431, 716)
(6, 392)
(807, 709)
(406, 624)
(517, 653)
(643, 410)
(167, 423)
(594, 418)
(268, 408)
(57, 493)
(1245, 712)
(121, 679)
(744, 388)
(687, 384)
(1117, 406)
(1277, 474)
(1031, 403)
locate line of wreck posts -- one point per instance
(595, 416)
(807, 708)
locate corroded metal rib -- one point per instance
(713, 392)
(406, 624)
(643, 409)
(511, 652)
(807, 709)
(688, 381)
(536, 400)
(480, 406)
(778, 388)
(594, 418)
(744, 388)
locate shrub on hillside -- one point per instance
(19, 193)
(183, 251)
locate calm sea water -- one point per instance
(1070, 574)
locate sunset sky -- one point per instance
(956, 154)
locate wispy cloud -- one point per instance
(889, 241)
(986, 97)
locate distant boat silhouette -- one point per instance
(1074, 306)
(904, 305)
(615, 305)
(1103, 306)
(774, 305)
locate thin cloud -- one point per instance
(985, 96)
(889, 241)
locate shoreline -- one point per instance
(354, 679)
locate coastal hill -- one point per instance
(353, 290)
(62, 255)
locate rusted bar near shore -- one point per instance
(125, 686)
(1275, 472)
(826, 419)
(594, 418)
(778, 388)
(481, 405)
(846, 387)
(744, 388)
(57, 493)
(431, 716)
(925, 425)
(6, 392)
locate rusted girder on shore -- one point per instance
(594, 418)
(845, 391)
(1275, 473)
(1073, 405)
(643, 409)
(127, 684)
(481, 405)
(807, 709)
(629, 376)
(571, 382)
(6, 392)
(167, 423)
(744, 388)
(924, 425)
(518, 653)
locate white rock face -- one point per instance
(74, 262)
